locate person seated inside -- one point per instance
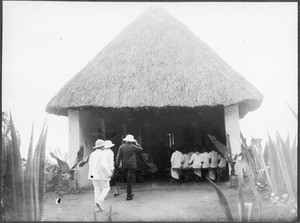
(205, 162)
(175, 163)
(213, 157)
(148, 159)
(190, 153)
(185, 159)
(195, 161)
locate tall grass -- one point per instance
(25, 193)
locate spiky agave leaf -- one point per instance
(29, 155)
(249, 159)
(223, 201)
(286, 165)
(109, 214)
(222, 149)
(292, 110)
(264, 166)
(284, 170)
(266, 155)
(293, 155)
(251, 175)
(288, 161)
(35, 180)
(287, 141)
(42, 173)
(242, 203)
(15, 173)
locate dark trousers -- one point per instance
(130, 176)
(112, 181)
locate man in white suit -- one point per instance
(100, 172)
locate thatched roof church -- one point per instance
(155, 80)
(156, 62)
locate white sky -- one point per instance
(46, 43)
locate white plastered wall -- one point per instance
(232, 127)
(77, 137)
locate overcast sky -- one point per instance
(46, 43)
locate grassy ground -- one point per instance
(157, 201)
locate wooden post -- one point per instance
(140, 137)
(124, 131)
(102, 127)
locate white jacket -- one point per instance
(213, 155)
(110, 158)
(99, 165)
(196, 160)
(176, 159)
(205, 160)
(185, 160)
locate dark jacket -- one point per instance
(127, 154)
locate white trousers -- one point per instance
(101, 189)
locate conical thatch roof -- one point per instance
(156, 62)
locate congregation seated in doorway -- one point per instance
(196, 165)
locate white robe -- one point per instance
(185, 160)
(205, 160)
(196, 160)
(213, 155)
(175, 163)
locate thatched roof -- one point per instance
(157, 62)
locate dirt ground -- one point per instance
(157, 201)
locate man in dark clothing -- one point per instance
(127, 158)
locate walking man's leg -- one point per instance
(97, 191)
(130, 176)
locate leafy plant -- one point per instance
(223, 201)
(225, 152)
(12, 176)
(225, 204)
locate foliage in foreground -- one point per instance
(225, 152)
(276, 166)
(23, 194)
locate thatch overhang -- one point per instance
(156, 62)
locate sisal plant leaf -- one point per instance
(287, 141)
(286, 165)
(292, 110)
(109, 214)
(222, 149)
(242, 203)
(13, 176)
(294, 154)
(223, 201)
(250, 172)
(266, 155)
(29, 155)
(263, 165)
(35, 180)
(284, 170)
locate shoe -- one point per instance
(100, 208)
(96, 209)
(117, 194)
(130, 197)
